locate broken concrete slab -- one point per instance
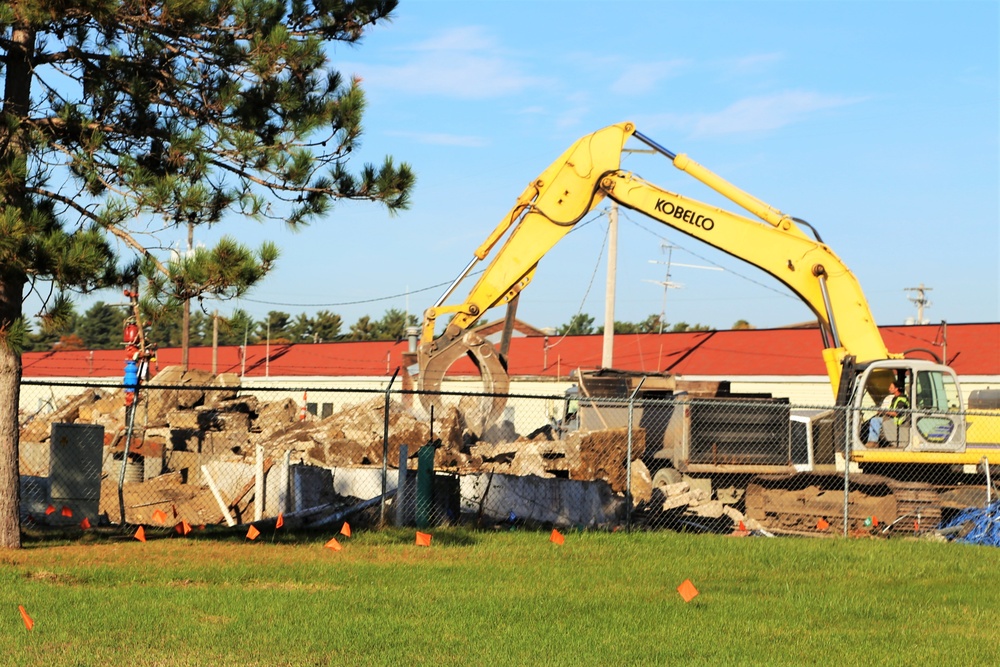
(603, 453)
(642, 483)
(560, 502)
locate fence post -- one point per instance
(401, 485)
(385, 450)
(628, 459)
(847, 464)
(425, 486)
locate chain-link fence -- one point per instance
(214, 454)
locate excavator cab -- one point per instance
(933, 422)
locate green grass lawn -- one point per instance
(505, 598)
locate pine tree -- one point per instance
(118, 117)
(300, 330)
(326, 326)
(61, 320)
(237, 329)
(275, 328)
(580, 324)
(101, 327)
(364, 329)
(164, 322)
(393, 325)
(652, 324)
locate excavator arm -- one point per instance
(806, 266)
(572, 187)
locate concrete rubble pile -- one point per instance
(690, 501)
(202, 424)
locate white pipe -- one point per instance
(230, 521)
(258, 491)
(989, 485)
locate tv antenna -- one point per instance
(667, 283)
(920, 300)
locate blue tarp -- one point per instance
(983, 524)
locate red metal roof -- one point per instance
(972, 349)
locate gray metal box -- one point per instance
(75, 455)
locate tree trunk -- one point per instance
(10, 391)
(16, 102)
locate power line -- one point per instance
(578, 226)
(705, 259)
(347, 303)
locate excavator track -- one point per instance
(918, 506)
(874, 504)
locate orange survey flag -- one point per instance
(160, 517)
(67, 511)
(333, 544)
(49, 510)
(252, 533)
(85, 524)
(183, 528)
(140, 534)
(687, 590)
(423, 539)
(281, 520)
(345, 530)
(822, 524)
(743, 527)
(556, 537)
(28, 623)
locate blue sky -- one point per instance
(877, 122)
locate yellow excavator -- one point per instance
(857, 361)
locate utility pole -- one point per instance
(920, 300)
(944, 342)
(607, 351)
(609, 293)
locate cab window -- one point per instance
(936, 391)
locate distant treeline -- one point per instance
(100, 328)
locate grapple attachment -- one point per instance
(436, 357)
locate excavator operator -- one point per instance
(893, 407)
